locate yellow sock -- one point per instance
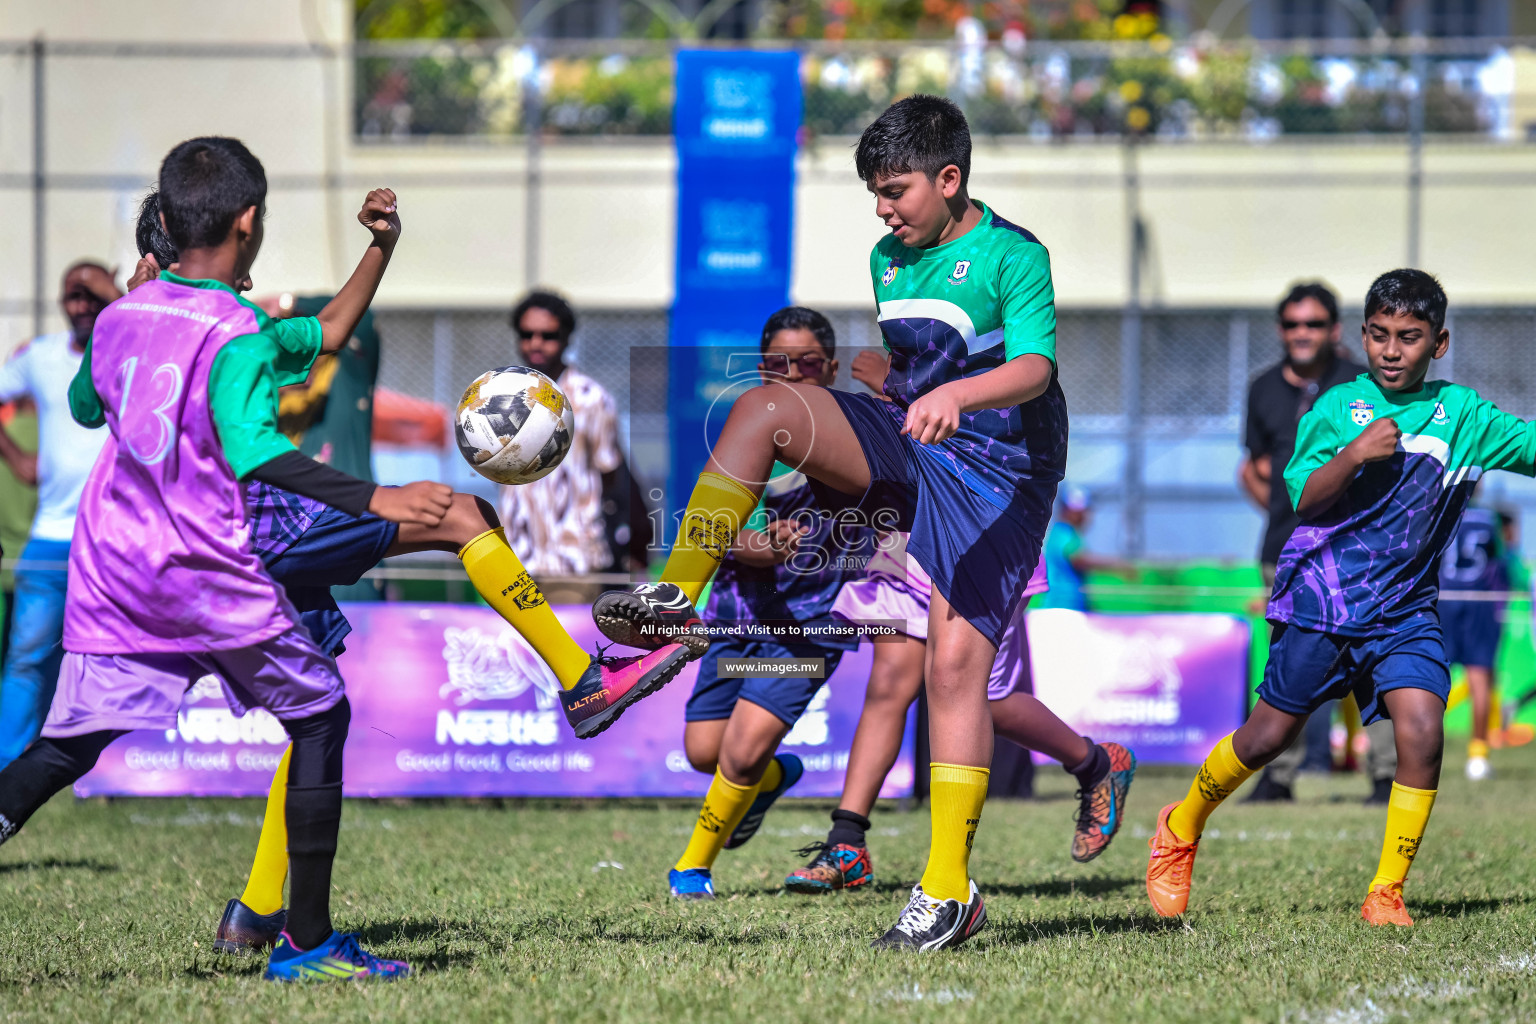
(499, 576)
(264, 887)
(724, 806)
(1407, 815)
(955, 795)
(772, 777)
(1478, 748)
(1217, 779)
(715, 512)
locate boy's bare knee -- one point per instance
(702, 762)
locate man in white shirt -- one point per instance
(556, 524)
(41, 369)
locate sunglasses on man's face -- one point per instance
(778, 363)
(1311, 325)
(542, 335)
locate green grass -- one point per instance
(107, 912)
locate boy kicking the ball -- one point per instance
(965, 457)
(1384, 466)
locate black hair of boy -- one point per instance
(1411, 293)
(800, 318)
(205, 183)
(920, 133)
(549, 302)
(150, 236)
(1315, 290)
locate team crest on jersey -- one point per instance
(890, 273)
(1440, 419)
(962, 267)
(1361, 412)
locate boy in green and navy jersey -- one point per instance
(965, 457)
(1383, 468)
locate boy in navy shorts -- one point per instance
(1383, 467)
(784, 572)
(965, 457)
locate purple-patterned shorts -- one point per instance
(287, 674)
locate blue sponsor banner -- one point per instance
(736, 122)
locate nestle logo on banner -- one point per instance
(219, 724)
(735, 235)
(482, 667)
(738, 104)
(1140, 663)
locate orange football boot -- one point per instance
(1169, 868)
(1384, 905)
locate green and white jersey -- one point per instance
(963, 308)
(1369, 564)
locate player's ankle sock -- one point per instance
(715, 512)
(1092, 769)
(1217, 779)
(724, 806)
(956, 793)
(264, 888)
(772, 776)
(499, 576)
(847, 827)
(1478, 748)
(1407, 816)
(314, 818)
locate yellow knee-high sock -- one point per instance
(715, 512)
(1407, 816)
(1217, 779)
(956, 793)
(772, 776)
(724, 806)
(499, 576)
(264, 887)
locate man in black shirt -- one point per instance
(1278, 398)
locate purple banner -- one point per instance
(449, 701)
(1167, 686)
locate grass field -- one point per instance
(523, 913)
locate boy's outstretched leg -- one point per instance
(45, 767)
(1267, 732)
(596, 689)
(1418, 721)
(801, 425)
(945, 908)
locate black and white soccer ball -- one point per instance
(514, 425)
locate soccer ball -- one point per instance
(514, 425)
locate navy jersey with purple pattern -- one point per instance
(801, 590)
(1475, 558)
(1369, 564)
(277, 518)
(960, 309)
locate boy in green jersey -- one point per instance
(1384, 466)
(965, 457)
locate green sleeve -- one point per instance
(242, 389)
(1317, 442)
(1502, 440)
(298, 344)
(1028, 301)
(84, 403)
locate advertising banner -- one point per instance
(736, 125)
(1167, 686)
(448, 701)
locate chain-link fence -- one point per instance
(1160, 458)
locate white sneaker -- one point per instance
(1479, 769)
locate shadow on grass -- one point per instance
(1016, 932)
(1464, 907)
(1098, 886)
(85, 864)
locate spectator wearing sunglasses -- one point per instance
(556, 524)
(1308, 322)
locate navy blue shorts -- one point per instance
(979, 554)
(1472, 631)
(334, 552)
(1307, 669)
(714, 698)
